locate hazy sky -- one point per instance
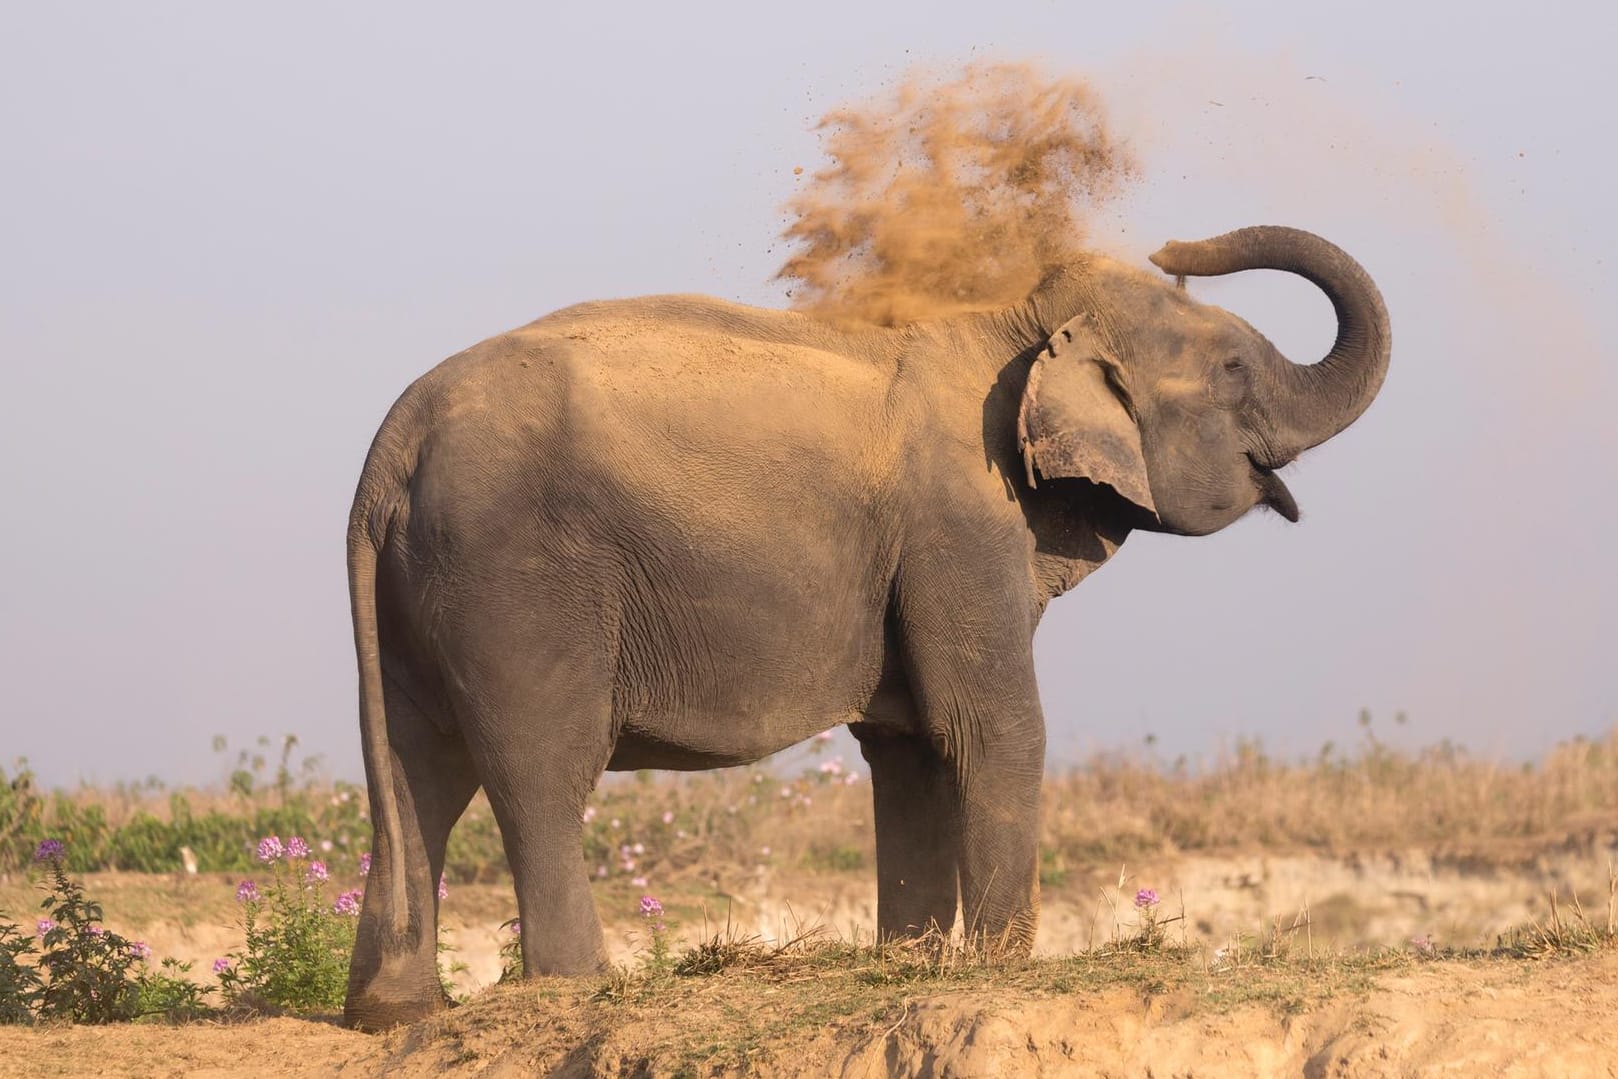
(230, 235)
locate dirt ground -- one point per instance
(1205, 1017)
(1436, 1018)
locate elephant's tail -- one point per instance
(362, 555)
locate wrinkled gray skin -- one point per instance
(679, 533)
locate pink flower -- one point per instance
(668, 817)
(297, 848)
(247, 892)
(270, 849)
(650, 907)
(221, 965)
(348, 903)
(1145, 899)
(365, 864)
(516, 926)
(43, 926)
(637, 882)
(94, 930)
(139, 949)
(443, 889)
(316, 871)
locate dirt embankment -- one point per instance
(1345, 992)
(1431, 1018)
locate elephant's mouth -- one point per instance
(1273, 493)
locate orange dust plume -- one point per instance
(951, 196)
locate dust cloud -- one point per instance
(951, 194)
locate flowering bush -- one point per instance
(84, 973)
(85, 969)
(651, 912)
(298, 944)
(1153, 932)
(511, 952)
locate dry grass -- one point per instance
(1377, 798)
(808, 812)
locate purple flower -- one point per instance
(221, 965)
(316, 871)
(43, 926)
(247, 892)
(270, 849)
(365, 864)
(49, 850)
(516, 926)
(139, 949)
(94, 930)
(443, 889)
(650, 907)
(348, 903)
(297, 848)
(1145, 899)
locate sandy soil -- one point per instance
(1441, 1018)
(1428, 1018)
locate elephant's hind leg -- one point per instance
(918, 835)
(393, 978)
(552, 746)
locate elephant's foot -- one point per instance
(404, 990)
(374, 1012)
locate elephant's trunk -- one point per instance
(1309, 403)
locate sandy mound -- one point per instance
(1487, 1017)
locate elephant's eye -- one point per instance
(1234, 364)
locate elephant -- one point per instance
(679, 533)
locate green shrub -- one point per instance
(298, 943)
(86, 966)
(20, 983)
(169, 994)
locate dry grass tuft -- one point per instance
(1569, 934)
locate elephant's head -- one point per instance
(1186, 410)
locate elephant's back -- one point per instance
(687, 407)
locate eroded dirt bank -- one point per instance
(1444, 1017)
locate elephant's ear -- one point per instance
(1073, 425)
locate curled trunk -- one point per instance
(1308, 403)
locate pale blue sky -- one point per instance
(230, 236)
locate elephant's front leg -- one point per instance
(1000, 842)
(917, 834)
(979, 704)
